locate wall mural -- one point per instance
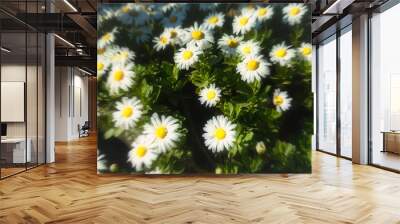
(204, 88)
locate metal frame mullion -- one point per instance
(338, 92)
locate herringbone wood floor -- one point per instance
(70, 191)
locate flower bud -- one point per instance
(260, 148)
(114, 168)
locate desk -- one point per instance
(391, 141)
(16, 147)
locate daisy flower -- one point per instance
(120, 77)
(120, 55)
(210, 96)
(106, 39)
(219, 134)
(161, 42)
(174, 19)
(264, 13)
(293, 13)
(174, 34)
(198, 36)
(163, 131)
(253, 68)
(102, 65)
(128, 112)
(248, 48)
(243, 23)
(186, 57)
(281, 54)
(214, 20)
(228, 43)
(281, 100)
(143, 153)
(305, 50)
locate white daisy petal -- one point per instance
(248, 48)
(293, 13)
(228, 43)
(210, 96)
(253, 68)
(281, 100)
(264, 13)
(244, 23)
(120, 78)
(143, 153)
(219, 134)
(163, 131)
(305, 50)
(128, 112)
(198, 36)
(282, 54)
(214, 20)
(107, 39)
(186, 57)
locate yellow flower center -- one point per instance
(306, 51)
(100, 66)
(220, 134)
(172, 19)
(187, 55)
(278, 100)
(106, 37)
(232, 43)
(211, 94)
(262, 12)
(163, 40)
(173, 34)
(247, 50)
(253, 65)
(280, 53)
(243, 21)
(213, 20)
(161, 132)
(197, 35)
(125, 9)
(294, 11)
(118, 75)
(101, 51)
(127, 112)
(141, 151)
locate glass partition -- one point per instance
(22, 77)
(346, 92)
(327, 95)
(385, 89)
(14, 153)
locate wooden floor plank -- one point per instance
(70, 191)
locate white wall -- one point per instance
(71, 102)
